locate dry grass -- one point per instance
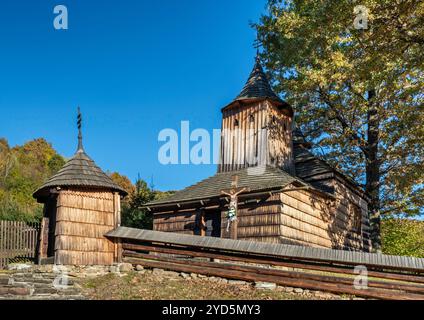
(150, 286)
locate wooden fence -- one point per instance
(18, 241)
(388, 277)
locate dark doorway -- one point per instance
(213, 223)
(51, 210)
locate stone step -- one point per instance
(33, 281)
(41, 285)
(69, 291)
(16, 291)
(45, 290)
(38, 285)
(19, 284)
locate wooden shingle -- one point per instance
(79, 171)
(270, 178)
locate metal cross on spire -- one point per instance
(79, 123)
(257, 44)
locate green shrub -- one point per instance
(403, 237)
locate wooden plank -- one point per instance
(217, 270)
(43, 235)
(283, 273)
(261, 249)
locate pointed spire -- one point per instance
(79, 123)
(257, 86)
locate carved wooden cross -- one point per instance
(233, 193)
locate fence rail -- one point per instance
(393, 277)
(18, 241)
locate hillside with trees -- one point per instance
(24, 168)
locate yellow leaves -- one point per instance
(289, 23)
(123, 182)
(339, 60)
(327, 53)
(334, 71)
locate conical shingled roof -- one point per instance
(257, 86)
(79, 171)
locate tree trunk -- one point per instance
(373, 172)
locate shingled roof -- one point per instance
(300, 139)
(313, 169)
(256, 179)
(257, 86)
(79, 171)
(306, 163)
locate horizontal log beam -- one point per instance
(272, 261)
(372, 261)
(248, 276)
(282, 273)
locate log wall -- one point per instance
(83, 217)
(280, 140)
(257, 222)
(253, 134)
(183, 222)
(311, 219)
(348, 202)
(298, 217)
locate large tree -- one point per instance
(356, 80)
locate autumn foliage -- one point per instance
(22, 170)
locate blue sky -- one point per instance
(134, 67)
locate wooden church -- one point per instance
(81, 204)
(269, 186)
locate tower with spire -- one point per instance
(269, 186)
(81, 204)
(257, 127)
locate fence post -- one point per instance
(43, 239)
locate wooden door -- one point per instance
(213, 223)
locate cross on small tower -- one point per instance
(79, 124)
(233, 193)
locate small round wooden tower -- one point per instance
(81, 204)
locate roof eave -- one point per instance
(280, 104)
(44, 192)
(254, 192)
(194, 203)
